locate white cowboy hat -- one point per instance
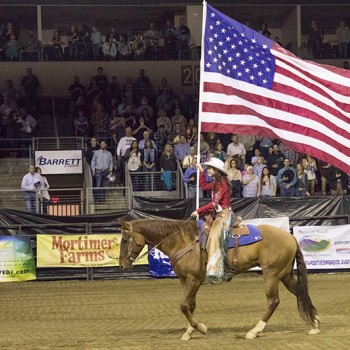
(217, 164)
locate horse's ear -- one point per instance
(127, 226)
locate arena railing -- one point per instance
(71, 201)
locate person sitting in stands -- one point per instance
(12, 48)
(151, 37)
(109, 50)
(31, 47)
(138, 48)
(144, 105)
(142, 87)
(169, 39)
(164, 120)
(124, 48)
(57, 51)
(73, 43)
(182, 35)
(96, 40)
(81, 124)
(179, 118)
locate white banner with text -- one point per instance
(324, 247)
(59, 162)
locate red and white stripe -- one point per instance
(308, 107)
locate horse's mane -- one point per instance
(157, 229)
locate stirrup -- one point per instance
(237, 222)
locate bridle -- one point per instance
(132, 240)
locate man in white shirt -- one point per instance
(237, 151)
(31, 183)
(123, 145)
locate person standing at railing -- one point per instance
(31, 183)
(28, 125)
(123, 145)
(43, 190)
(101, 167)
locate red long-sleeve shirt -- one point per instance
(221, 195)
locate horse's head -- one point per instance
(131, 245)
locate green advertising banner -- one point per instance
(16, 259)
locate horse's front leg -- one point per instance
(272, 296)
(188, 305)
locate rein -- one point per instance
(156, 246)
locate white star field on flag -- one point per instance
(228, 51)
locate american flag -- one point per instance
(251, 85)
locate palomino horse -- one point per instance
(275, 254)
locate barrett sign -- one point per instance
(59, 162)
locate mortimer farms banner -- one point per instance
(16, 259)
(324, 247)
(80, 250)
(59, 162)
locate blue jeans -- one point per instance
(287, 192)
(30, 201)
(300, 192)
(343, 50)
(101, 181)
(96, 51)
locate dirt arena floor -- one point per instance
(145, 314)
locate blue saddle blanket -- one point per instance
(253, 237)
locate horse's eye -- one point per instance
(125, 241)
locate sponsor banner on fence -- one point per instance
(80, 250)
(16, 259)
(324, 247)
(59, 162)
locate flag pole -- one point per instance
(201, 84)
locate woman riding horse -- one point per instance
(220, 205)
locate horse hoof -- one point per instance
(201, 327)
(186, 337)
(250, 336)
(314, 331)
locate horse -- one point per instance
(179, 240)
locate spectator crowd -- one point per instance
(83, 42)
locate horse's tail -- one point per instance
(306, 309)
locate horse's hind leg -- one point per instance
(290, 283)
(191, 286)
(272, 296)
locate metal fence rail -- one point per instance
(71, 201)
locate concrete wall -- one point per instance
(290, 32)
(55, 77)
